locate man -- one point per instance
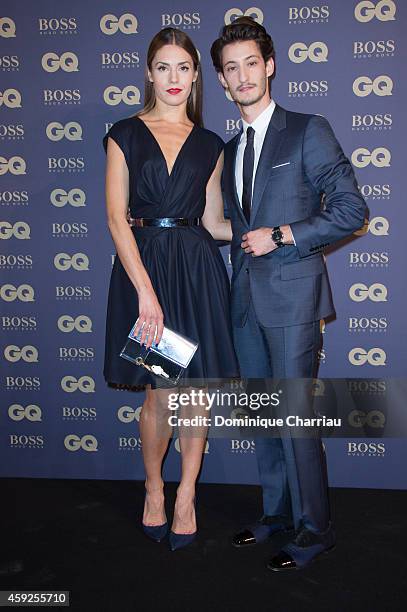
(276, 171)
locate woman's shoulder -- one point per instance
(212, 138)
(120, 132)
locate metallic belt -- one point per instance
(165, 222)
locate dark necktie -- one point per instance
(248, 165)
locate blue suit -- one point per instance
(278, 299)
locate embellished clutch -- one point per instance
(168, 360)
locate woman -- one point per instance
(163, 164)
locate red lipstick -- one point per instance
(174, 91)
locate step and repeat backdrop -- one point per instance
(68, 70)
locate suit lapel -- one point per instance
(269, 152)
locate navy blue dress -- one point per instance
(184, 264)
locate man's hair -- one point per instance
(242, 29)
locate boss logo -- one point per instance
(130, 443)
(298, 89)
(10, 98)
(126, 24)
(19, 323)
(242, 446)
(32, 412)
(10, 293)
(366, 122)
(385, 10)
(22, 382)
(65, 25)
(23, 441)
(9, 63)
(55, 97)
(365, 323)
(69, 164)
(7, 27)
(381, 86)
(15, 165)
(379, 192)
(70, 292)
(68, 62)
(374, 357)
(376, 449)
(78, 261)
(124, 59)
(56, 131)
(74, 197)
(321, 355)
(359, 292)
(378, 226)
(12, 261)
(26, 353)
(308, 14)
(379, 48)
(19, 229)
(113, 95)
(379, 157)
(127, 414)
(366, 386)
(73, 353)
(81, 323)
(254, 12)
(233, 125)
(13, 197)
(187, 20)
(75, 413)
(373, 418)
(87, 443)
(374, 259)
(316, 52)
(84, 384)
(70, 229)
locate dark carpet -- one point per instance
(84, 536)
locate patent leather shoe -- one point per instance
(305, 547)
(260, 531)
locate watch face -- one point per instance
(277, 234)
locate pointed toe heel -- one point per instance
(180, 540)
(155, 532)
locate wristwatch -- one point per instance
(277, 236)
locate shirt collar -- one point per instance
(261, 122)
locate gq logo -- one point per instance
(27, 353)
(20, 230)
(373, 418)
(126, 414)
(78, 261)
(84, 384)
(385, 10)
(71, 131)
(374, 357)
(114, 95)
(23, 293)
(381, 86)
(127, 24)
(15, 165)
(316, 52)
(68, 62)
(379, 157)
(253, 12)
(87, 443)
(378, 226)
(17, 412)
(75, 197)
(81, 323)
(359, 292)
(7, 27)
(10, 98)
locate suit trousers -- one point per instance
(292, 470)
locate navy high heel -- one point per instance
(155, 532)
(180, 540)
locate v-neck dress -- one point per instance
(184, 264)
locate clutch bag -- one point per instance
(168, 360)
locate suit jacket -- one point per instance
(300, 161)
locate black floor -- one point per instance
(84, 536)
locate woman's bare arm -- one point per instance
(213, 218)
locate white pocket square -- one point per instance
(279, 165)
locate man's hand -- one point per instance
(258, 242)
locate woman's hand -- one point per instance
(151, 318)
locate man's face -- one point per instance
(244, 72)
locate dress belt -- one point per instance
(165, 222)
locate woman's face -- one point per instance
(172, 74)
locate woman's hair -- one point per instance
(242, 29)
(173, 36)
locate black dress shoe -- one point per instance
(260, 531)
(302, 550)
